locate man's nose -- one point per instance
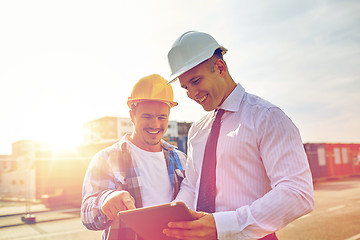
(155, 123)
(192, 92)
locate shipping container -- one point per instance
(337, 156)
(317, 160)
(329, 160)
(355, 157)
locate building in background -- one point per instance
(30, 149)
(6, 163)
(183, 128)
(106, 129)
(18, 180)
(38, 173)
(181, 141)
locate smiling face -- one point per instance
(150, 121)
(206, 83)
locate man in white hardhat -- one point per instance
(259, 169)
(139, 170)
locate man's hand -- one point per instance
(202, 228)
(116, 202)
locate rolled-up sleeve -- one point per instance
(98, 184)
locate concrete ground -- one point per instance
(336, 217)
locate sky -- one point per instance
(63, 63)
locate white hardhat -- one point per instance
(189, 50)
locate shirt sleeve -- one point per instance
(98, 184)
(286, 165)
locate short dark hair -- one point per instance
(210, 62)
(218, 53)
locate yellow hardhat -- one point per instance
(152, 88)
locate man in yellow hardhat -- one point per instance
(112, 182)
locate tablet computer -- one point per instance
(149, 222)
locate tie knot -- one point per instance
(219, 114)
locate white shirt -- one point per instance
(153, 179)
(263, 180)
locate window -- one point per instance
(321, 157)
(344, 155)
(337, 155)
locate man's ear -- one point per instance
(132, 115)
(220, 66)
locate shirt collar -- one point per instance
(232, 102)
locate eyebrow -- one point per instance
(150, 115)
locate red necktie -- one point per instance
(207, 190)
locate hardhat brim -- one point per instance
(131, 102)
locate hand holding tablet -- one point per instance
(149, 222)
